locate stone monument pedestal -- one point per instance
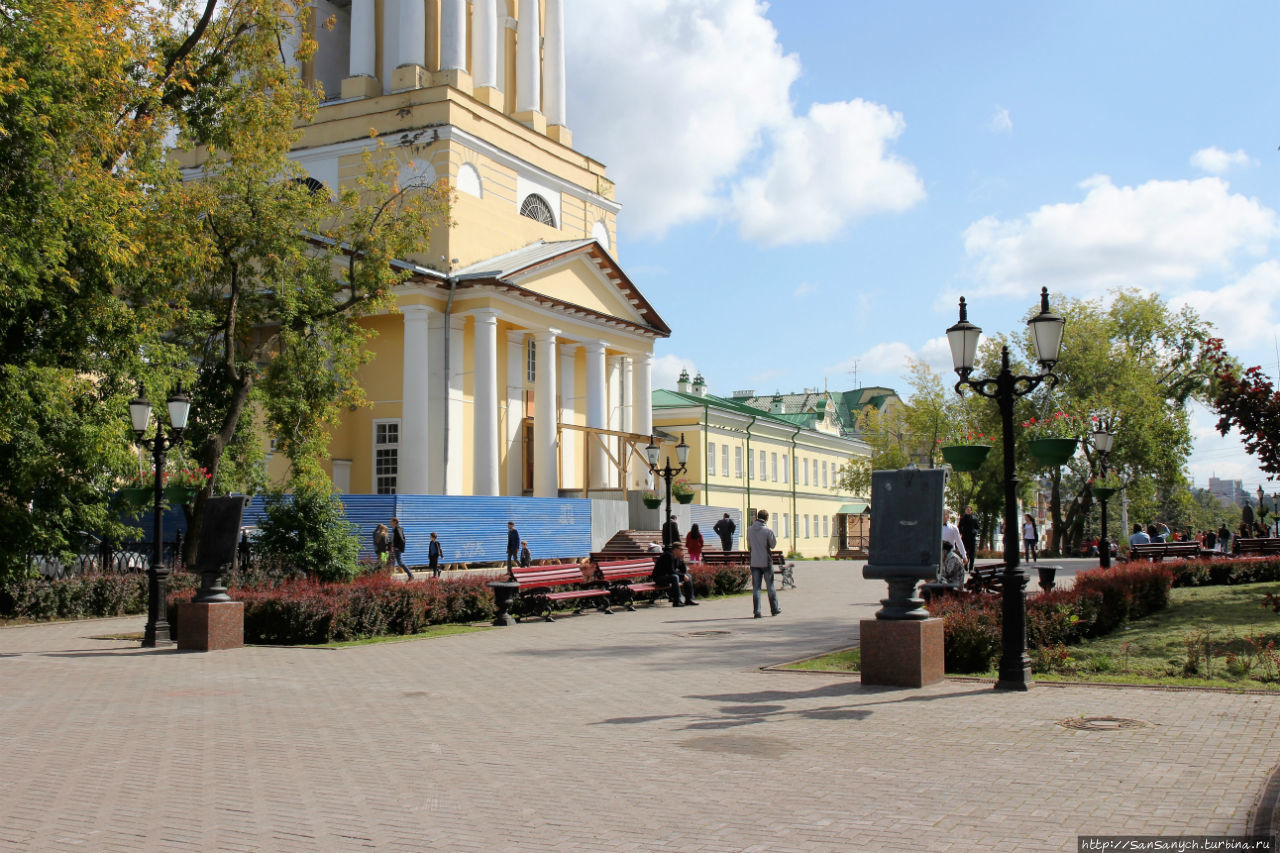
(898, 652)
(211, 626)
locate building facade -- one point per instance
(750, 459)
(519, 359)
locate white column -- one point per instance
(614, 381)
(455, 450)
(363, 39)
(596, 409)
(414, 456)
(437, 402)
(413, 33)
(528, 44)
(570, 451)
(628, 394)
(553, 64)
(485, 385)
(453, 35)
(517, 369)
(546, 479)
(484, 44)
(642, 407)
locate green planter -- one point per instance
(179, 495)
(684, 498)
(137, 497)
(1103, 493)
(966, 457)
(1053, 451)
(652, 503)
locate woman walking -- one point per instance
(1030, 536)
(693, 544)
(381, 543)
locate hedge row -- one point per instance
(81, 597)
(1228, 570)
(1101, 601)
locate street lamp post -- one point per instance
(1004, 388)
(666, 472)
(157, 630)
(1103, 437)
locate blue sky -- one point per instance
(811, 184)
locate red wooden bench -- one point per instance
(781, 567)
(987, 578)
(543, 587)
(1242, 546)
(629, 578)
(1157, 551)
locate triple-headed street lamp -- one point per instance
(1104, 436)
(667, 473)
(1004, 388)
(157, 630)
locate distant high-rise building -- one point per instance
(1228, 491)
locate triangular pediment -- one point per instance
(576, 273)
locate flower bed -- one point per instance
(304, 612)
(1101, 601)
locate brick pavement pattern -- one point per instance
(646, 731)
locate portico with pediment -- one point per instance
(519, 361)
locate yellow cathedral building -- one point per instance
(519, 361)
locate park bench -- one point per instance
(1243, 546)
(785, 570)
(1157, 551)
(986, 578)
(543, 587)
(628, 578)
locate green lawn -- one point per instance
(1211, 636)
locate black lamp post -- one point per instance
(1103, 437)
(666, 472)
(1004, 388)
(157, 630)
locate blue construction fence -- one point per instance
(471, 529)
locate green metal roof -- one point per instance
(854, 508)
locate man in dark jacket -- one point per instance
(969, 534)
(670, 533)
(724, 528)
(513, 544)
(671, 572)
(434, 553)
(398, 545)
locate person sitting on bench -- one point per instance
(951, 572)
(671, 572)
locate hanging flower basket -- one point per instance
(652, 503)
(1053, 451)
(1103, 493)
(179, 495)
(966, 457)
(684, 497)
(136, 496)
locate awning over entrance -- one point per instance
(854, 508)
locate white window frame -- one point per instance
(826, 527)
(804, 463)
(764, 470)
(824, 473)
(531, 361)
(737, 463)
(806, 525)
(724, 459)
(773, 467)
(784, 468)
(786, 525)
(815, 473)
(711, 458)
(386, 445)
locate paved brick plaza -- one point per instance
(627, 732)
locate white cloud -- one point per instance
(688, 103)
(1215, 161)
(1158, 234)
(1242, 311)
(888, 363)
(804, 288)
(827, 169)
(666, 370)
(1000, 122)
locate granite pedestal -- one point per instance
(901, 652)
(208, 627)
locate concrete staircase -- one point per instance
(628, 544)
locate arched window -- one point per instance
(536, 207)
(469, 180)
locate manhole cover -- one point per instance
(1102, 724)
(706, 633)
